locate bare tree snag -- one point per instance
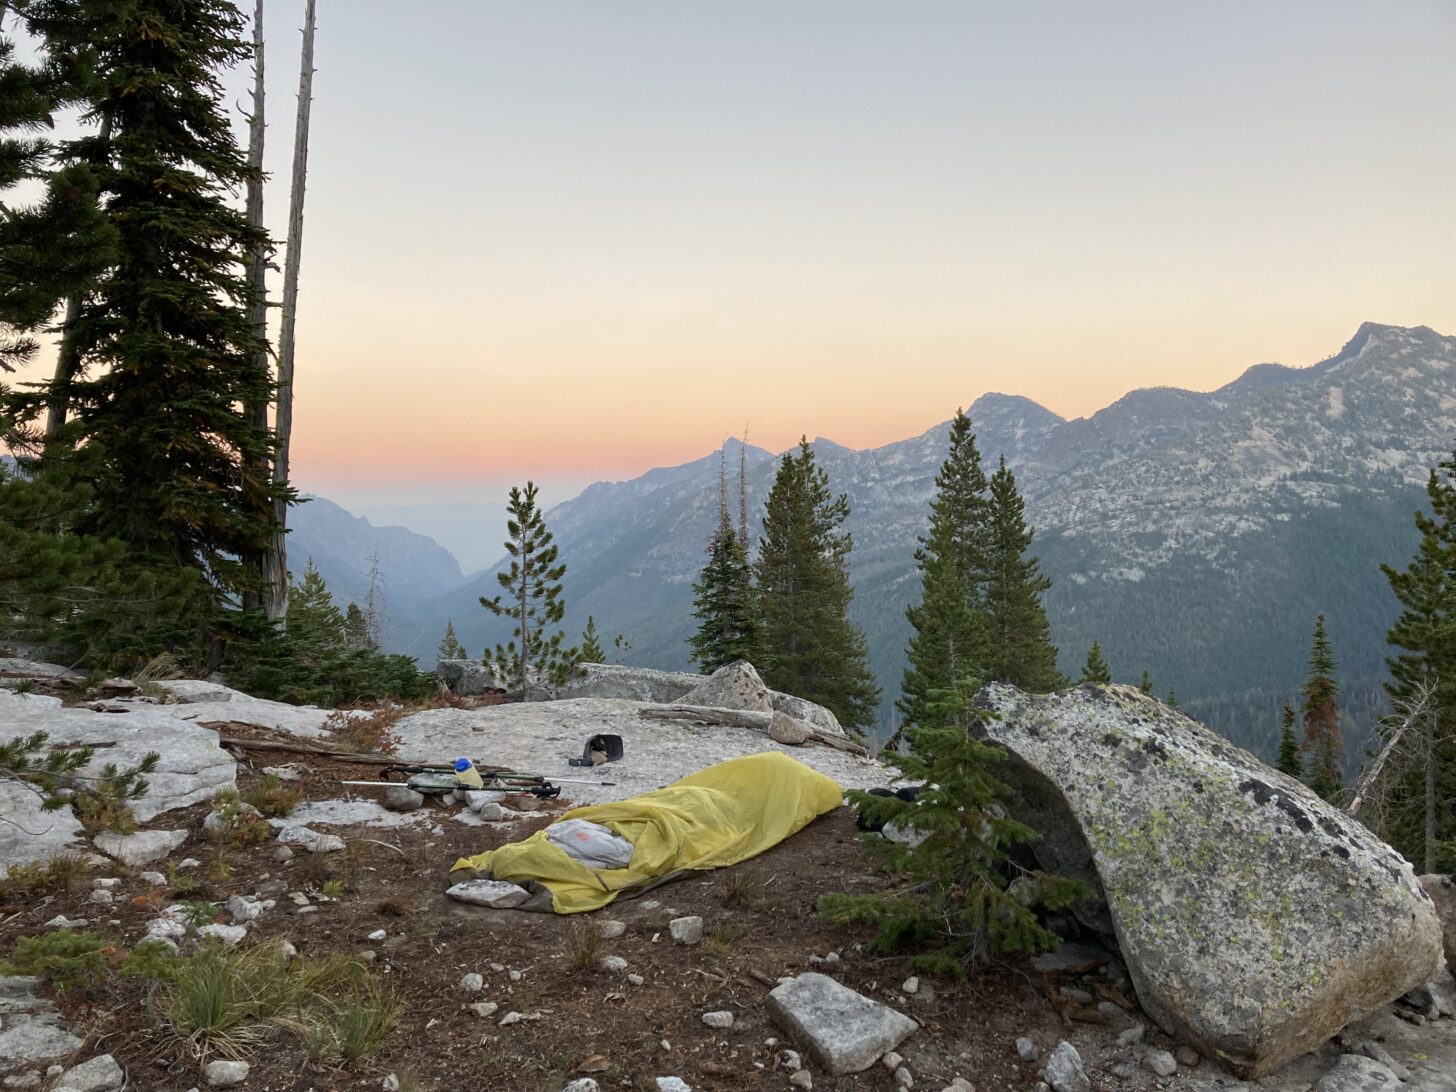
(276, 566)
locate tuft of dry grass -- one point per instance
(585, 944)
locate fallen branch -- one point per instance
(1414, 711)
(739, 718)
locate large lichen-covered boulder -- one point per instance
(732, 686)
(1256, 921)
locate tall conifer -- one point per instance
(1020, 635)
(1421, 809)
(810, 647)
(531, 598)
(592, 651)
(949, 645)
(723, 596)
(165, 350)
(1321, 712)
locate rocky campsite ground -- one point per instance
(501, 999)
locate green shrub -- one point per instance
(64, 958)
(152, 959)
(273, 798)
(955, 901)
(40, 878)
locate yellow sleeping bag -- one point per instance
(713, 818)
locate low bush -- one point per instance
(41, 878)
(273, 798)
(65, 958)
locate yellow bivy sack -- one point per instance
(713, 818)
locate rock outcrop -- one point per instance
(467, 678)
(630, 683)
(1442, 890)
(192, 766)
(1256, 921)
(732, 686)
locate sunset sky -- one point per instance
(576, 240)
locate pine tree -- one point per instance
(534, 603)
(959, 896)
(1020, 634)
(164, 348)
(1146, 685)
(810, 648)
(948, 640)
(591, 645)
(450, 646)
(356, 628)
(60, 244)
(1321, 713)
(1096, 669)
(1172, 698)
(1289, 760)
(1421, 801)
(723, 596)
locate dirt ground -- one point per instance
(760, 924)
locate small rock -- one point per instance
(611, 930)
(1186, 1056)
(100, 1074)
(483, 1009)
(188, 862)
(311, 840)
(673, 1084)
(687, 930)
(472, 983)
(892, 1061)
(228, 934)
(1082, 997)
(102, 897)
(307, 910)
(613, 964)
(1115, 1014)
(475, 799)
(224, 1073)
(791, 1061)
(243, 909)
(1376, 1052)
(140, 848)
(156, 879)
(1356, 1073)
(636, 979)
(1121, 1070)
(1134, 1034)
(1160, 1062)
(286, 951)
(498, 968)
(390, 1082)
(801, 1079)
(109, 883)
(290, 773)
(514, 976)
(960, 1084)
(582, 1084)
(271, 888)
(846, 1030)
(1026, 1050)
(493, 893)
(377, 935)
(491, 813)
(60, 921)
(165, 929)
(283, 854)
(904, 1078)
(516, 1017)
(722, 1020)
(910, 985)
(403, 798)
(23, 1080)
(785, 729)
(1063, 1070)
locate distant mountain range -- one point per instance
(1195, 535)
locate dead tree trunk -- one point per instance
(276, 565)
(257, 279)
(1432, 725)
